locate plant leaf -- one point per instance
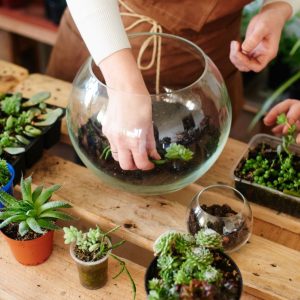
(47, 224)
(50, 118)
(14, 150)
(23, 228)
(7, 200)
(53, 205)
(26, 189)
(12, 219)
(22, 139)
(36, 99)
(37, 192)
(33, 224)
(46, 195)
(56, 215)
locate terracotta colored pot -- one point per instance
(33, 252)
(92, 275)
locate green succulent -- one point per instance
(208, 238)
(34, 211)
(11, 105)
(178, 151)
(4, 173)
(183, 258)
(95, 241)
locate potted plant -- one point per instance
(269, 171)
(192, 267)
(7, 175)
(28, 224)
(90, 250)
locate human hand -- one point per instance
(291, 108)
(127, 122)
(262, 38)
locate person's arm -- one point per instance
(128, 119)
(262, 36)
(295, 4)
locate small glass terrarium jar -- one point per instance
(94, 274)
(191, 115)
(223, 209)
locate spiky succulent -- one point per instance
(178, 151)
(34, 211)
(4, 173)
(11, 105)
(208, 238)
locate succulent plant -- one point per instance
(21, 120)
(208, 238)
(4, 173)
(34, 211)
(183, 258)
(95, 242)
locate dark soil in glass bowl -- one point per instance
(230, 287)
(201, 138)
(232, 239)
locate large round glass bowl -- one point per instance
(190, 107)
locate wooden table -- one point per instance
(270, 263)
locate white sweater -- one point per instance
(100, 25)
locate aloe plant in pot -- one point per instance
(28, 224)
(90, 251)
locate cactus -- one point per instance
(209, 238)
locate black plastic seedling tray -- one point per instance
(263, 195)
(34, 150)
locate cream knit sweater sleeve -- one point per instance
(100, 25)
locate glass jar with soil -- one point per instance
(190, 113)
(93, 274)
(225, 210)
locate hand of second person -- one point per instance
(291, 107)
(262, 38)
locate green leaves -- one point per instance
(177, 151)
(36, 99)
(34, 211)
(49, 118)
(4, 173)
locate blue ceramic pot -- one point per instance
(8, 188)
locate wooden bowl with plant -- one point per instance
(192, 267)
(269, 171)
(28, 224)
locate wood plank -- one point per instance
(29, 22)
(57, 278)
(10, 75)
(144, 218)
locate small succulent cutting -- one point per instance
(173, 152)
(34, 211)
(4, 173)
(94, 245)
(183, 259)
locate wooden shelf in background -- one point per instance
(30, 22)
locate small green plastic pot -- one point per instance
(92, 275)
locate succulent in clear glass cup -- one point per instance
(223, 209)
(191, 115)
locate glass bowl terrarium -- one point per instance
(191, 115)
(225, 210)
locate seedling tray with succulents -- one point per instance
(27, 126)
(285, 200)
